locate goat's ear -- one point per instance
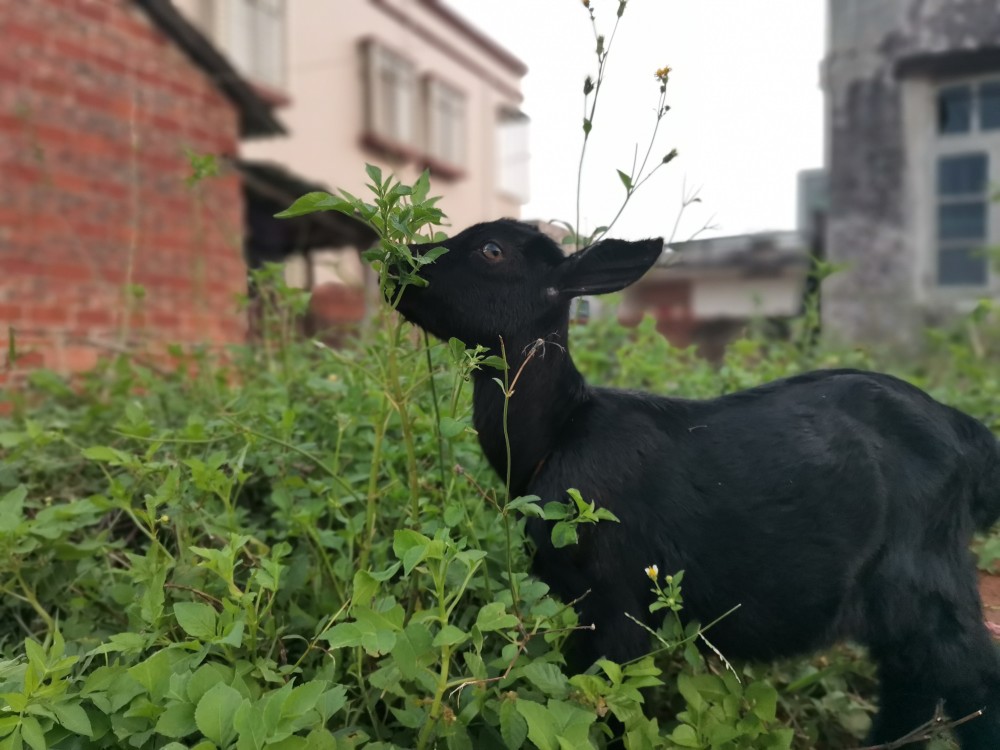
(608, 266)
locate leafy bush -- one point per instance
(233, 555)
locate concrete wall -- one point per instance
(737, 297)
(879, 127)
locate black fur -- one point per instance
(833, 505)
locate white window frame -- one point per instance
(446, 123)
(390, 97)
(254, 34)
(925, 146)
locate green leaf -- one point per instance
(611, 669)
(764, 700)
(313, 202)
(364, 588)
(451, 428)
(233, 635)
(151, 607)
(374, 174)
(251, 724)
(205, 678)
(626, 181)
(685, 736)
(343, 635)
(8, 724)
(177, 721)
(432, 255)
(12, 439)
(541, 728)
(414, 651)
(32, 733)
(410, 547)
(497, 363)
(331, 702)
(196, 619)
(303, 698)
(513, 727)
(421, 187)
(12, 509)
(494, 616)
(563, 534)
(104, 454)
(215, 712)
(572, 722)
(374, 631)
(686, 687)
(526, 506)
(449, 635)
(71, 716)
(548, 678)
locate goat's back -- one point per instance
(778, 500)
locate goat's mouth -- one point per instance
(408, 303)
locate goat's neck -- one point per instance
(548, 388)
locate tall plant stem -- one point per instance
(602, 59)
(399, 398)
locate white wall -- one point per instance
(745, 297)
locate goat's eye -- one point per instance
(491, 251)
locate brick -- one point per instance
(95, 318)
(78, 358)
(46, 316)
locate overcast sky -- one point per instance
(747, 111)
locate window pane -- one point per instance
(962, 221)
(513, 155)
(954, 109)
(446, 123)
(962, 267)
(962, 175)
(989, 106)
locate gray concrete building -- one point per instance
(913, 162)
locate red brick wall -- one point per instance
(97, 106)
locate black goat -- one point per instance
(836, 504)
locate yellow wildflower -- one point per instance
(663, 73)
(653, 572)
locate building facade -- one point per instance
(707, 291)
(913, 158)
(405, 84)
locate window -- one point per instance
(962, 219)
(512, 154)
(966, 162)
(969, 107)
(445, 123)
(254, 37)
(391, 101)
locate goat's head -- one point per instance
(505, 278)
